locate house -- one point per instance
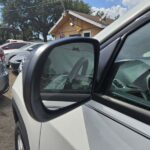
(74, 23)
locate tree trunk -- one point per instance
(3, 35)
(14, 35)
(45, 37)
(24, 36)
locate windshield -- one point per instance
(26, 46)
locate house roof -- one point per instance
(94, 20)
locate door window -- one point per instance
(131, 78)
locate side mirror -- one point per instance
(60, 76)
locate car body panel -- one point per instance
(68, 129)
(106, 134)
(75, 129)
(127, 121)
(33, 127)
(85, 128)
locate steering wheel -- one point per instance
(141, 86)
(81, 63)
(144, 82)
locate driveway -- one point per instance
(6, 119)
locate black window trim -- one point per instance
(139, 113)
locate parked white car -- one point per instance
(13, 45)
(13, 49)
(16, 58)
(23, 50)
(88, 94)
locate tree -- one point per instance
(38, 15)
(14, 17)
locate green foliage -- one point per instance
(30, 16)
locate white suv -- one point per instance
(88, 94)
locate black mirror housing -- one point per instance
(32, 75)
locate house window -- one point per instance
(86, 34)
(72, 35)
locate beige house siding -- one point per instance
(65, 29)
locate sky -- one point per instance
(113, 8)
(103, 3)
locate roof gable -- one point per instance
(94, 20)
(105, 22)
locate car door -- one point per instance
(118, 116)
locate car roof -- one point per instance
(5, 44)
(122, 21)
(12, 40)
(31, 44)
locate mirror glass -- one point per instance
(67, 73)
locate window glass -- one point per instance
(13, 46)
(131, 78)
(36, 46)
(87, 34)
(69, 68)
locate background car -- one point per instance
(10, 49)
(4, 81)
(13, 45)
(13, 41)
(22, 55)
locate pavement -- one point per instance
(7, 124)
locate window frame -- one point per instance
(87, 31)
(134, 111)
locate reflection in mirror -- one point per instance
(68, 70)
